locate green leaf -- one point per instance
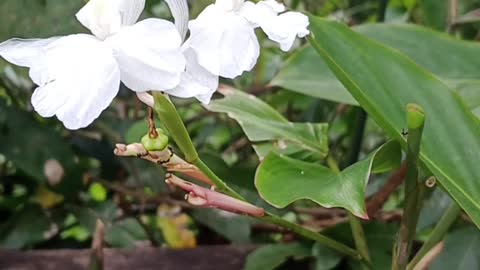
(26, 227)
(326, 258)
(281, 180)
(24, 142)
(125, 233)
(98, 192)
(270, 257)
(233, 227)
(38, 18)
(434, 13)
(383, 81)
(461, 251)
(262, 123)
(307, 73)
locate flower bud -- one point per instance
(155, 144)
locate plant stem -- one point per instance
(355, 224)
(173, 122)
(220, 185)
(437, 234)
(273, 219)
(413, 189)
(453, 13)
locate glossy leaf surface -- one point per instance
(281, 180)
(383, 81)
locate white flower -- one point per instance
(196, 81)
(223, 37)
(79, 75)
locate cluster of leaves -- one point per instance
(290, 115)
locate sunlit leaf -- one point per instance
(307, 73)
(383, 81)
(261, 122)
(281, 180)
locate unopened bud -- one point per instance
(155, 144)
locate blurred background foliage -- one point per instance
(55, 183)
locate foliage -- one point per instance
(274, 135)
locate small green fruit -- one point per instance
(157, 144)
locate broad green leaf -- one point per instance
(261, 122)
(461, 251)
(38, 18)
(235, 228)
(325, 258)
(281, 180)
(87, 216)
(383, 81)
(307, 73)
(125, 234)
(28, 226)
(24, 142)
(270, 257)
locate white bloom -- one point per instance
(79, 75)
(223, 36)
(196, 81)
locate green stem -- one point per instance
(309, 234)
(437, 234)
(172, 121)
(174, 124)
(355, 224)
(359, 236)
(220, 185)
(413, 189)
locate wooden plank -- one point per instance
(202, 258)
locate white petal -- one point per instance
(81, 78)
(283, 28)
(149, 55)
(27, 53)
(274, 5)
(229, 5)
(196, 81)
(294, 24)
(225, 43)
(179, 10)
(106, 17)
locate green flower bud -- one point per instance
(155, 144)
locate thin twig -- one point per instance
(452, 16)
(96, 256)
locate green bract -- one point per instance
(155, 144)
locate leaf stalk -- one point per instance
(414, 189)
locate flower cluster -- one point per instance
(79, 75)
